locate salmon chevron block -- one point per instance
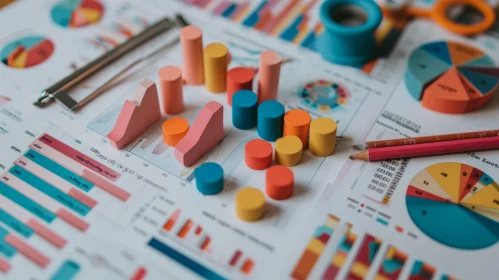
(137, 115)
(207, 130)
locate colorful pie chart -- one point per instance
(324, 96)
(26, 52)
(451, 77)
(77, 13)
(456, 205)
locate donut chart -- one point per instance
(26, 52)
(323, 96)
(456, 205)
(77, 13)
(451, 77)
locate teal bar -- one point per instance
(6, 249)
(3, 233)
(59, 170)
(67, 271)
(49, 190)
(26, 203)
(15, 224)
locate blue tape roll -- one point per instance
(349, 45)
(209, 178)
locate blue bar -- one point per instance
(182, 259)
(6, 249)
(381, 221)
(229, 11)
(59, 170)
(292, 31)
(26, 203)
(49, 190)
(15, 224)
(254, 18)
(67, 271)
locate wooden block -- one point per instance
(191, 39)
(239, 78)
(209, 178)
(250, 204)
(322, 140)
(216, 59)
(136, 115)
(297, 123)
(174, 129)
(279, 182)
(270, 120)
(206, 131)
(268, 76)
(172, 96)
(258, 154)
(244, 109)
(288, 150)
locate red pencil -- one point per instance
(429, 149)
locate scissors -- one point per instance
(463, 17)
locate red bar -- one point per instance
(71, 219)
(83, 198)
(47, 233)
(139, 274)
(235, 257)
(4, 266)
(198, 230)
(106, 185)
(172, 220)
(80, 158)
(247, 266)
(27, 251)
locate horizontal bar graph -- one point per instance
(11, 244)
(46, 203)
(184, 260)
(49, 190)
(50, 181)
(80, 158)
(23, 216)
(83, 172)
(54, 180)
(57, 169)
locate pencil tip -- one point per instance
(351, 157)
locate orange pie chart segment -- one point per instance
(447, 94)
(461, 53)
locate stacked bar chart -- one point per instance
(50, 182)
(392, 264)
(347, 241)
(421, 271)
(368, 250)
(315, 247)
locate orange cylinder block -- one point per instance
(297, 123)
(171, 92)
(239, 78)
(191, 39)
(279, 182)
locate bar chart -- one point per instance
(341, 253)
(187, 231)
(49, 183)
(315, 247)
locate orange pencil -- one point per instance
(429, 149)
(427, 139)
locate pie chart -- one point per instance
(77, 13)
(26, 52)
(456, 205)
(451, 77)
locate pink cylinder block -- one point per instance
(191, 39)
(172, 97)
(268, 72)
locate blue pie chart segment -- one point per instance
(452, 224)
